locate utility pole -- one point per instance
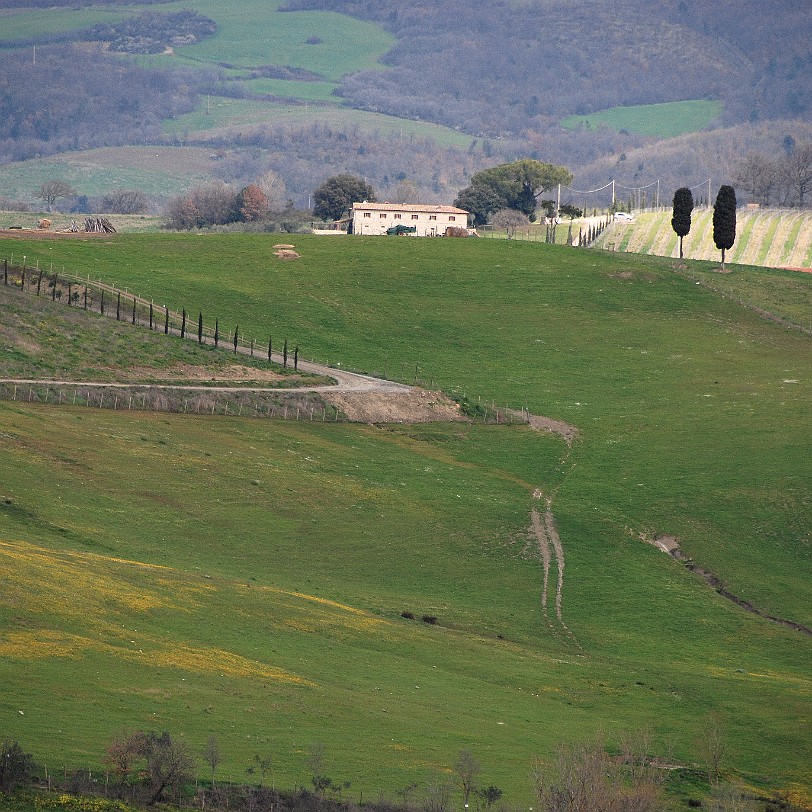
(613, 194)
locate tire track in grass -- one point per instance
(550, 546)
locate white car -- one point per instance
(623, 217)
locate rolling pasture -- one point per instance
(665, 120)
(246, 578)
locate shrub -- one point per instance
(431, 619)
(408, 615)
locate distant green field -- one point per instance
(255, 33)
(246, 578)
(220, 112)
(36, 22)
(307, 91)
(160, 171)
(663, 120)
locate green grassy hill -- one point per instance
(246, 578)
(662, 120)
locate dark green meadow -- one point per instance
(296, 547)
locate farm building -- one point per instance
(428, 220)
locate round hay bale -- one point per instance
(283, 247)
(285, 253)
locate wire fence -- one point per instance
(124, 305)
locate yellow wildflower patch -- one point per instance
(216, 661)
(71, 583)
(43, 643)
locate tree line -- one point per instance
(147, 768)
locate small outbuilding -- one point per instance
(426, 220)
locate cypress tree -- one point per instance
(296, 358)
(216, 332)
(150, 316)
(200, 328)
(285, 354)
(270, 346)
(681, 215)
(724, 220)
(236, 336)
(133, 318)
(101, 304)
(166, 320)
(183, 324)
(118, 306)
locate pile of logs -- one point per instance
(99, 224)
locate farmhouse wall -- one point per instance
(430, 221)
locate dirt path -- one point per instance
(542, 527)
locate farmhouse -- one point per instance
(429, 220)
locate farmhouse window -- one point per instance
(382, 216)
(367, 214)
(451, 218)
(397, 217)
(415, 216)
(432, 217)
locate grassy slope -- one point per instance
(161, 171)
(687, 427)
(665, 120)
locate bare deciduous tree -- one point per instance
(586, 779)
(467, 769)
(211, 755)
(52, 190)
(123, 201)
(510, 220)
(274, 188)
(712, 745)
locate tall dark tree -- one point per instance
(334, 198)
(724, 220)
(681, 217)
